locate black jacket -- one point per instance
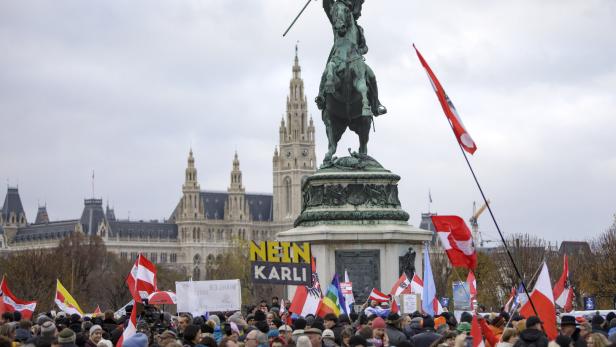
(395, 335)
(532, 338)
(425, 339)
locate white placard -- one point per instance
(199, 297)
(409, 303)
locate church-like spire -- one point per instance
(191, 171)
(297, 70)
(236, 176)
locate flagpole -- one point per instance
(483, 196)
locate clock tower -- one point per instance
(294, 158)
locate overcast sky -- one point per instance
(126, 87)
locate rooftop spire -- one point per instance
(296, 68)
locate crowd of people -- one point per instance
(269, 325)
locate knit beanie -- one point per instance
(48, 329)
(95, 328)
(378, 323)
(67, 336)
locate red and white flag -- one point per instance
(464, 139)
(307, 298)
(402, 286)
(472, 285)
(131, 328)
(476, 333)
(543, 299)
(417, 285)
(141, 280)
(511, 299)
(563, 292)
(378, 296)
(10, 303)
(457, 241)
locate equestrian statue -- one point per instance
(348, 93)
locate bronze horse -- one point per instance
(347, 93)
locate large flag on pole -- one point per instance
(131, 328)
(428, 297)
(65, 300)
(563, 292)
(307, 298)
(10, 303)
(333, 301)
(464, 139)
(141, 280)
(417, 285)
(457, 241)
(402, 286)
(347, 292)
(543, 299)
(476, 334)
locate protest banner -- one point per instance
(279, 262)
(199, 297)
(409, 303)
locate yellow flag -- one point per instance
(65, 300)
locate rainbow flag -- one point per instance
(333, 301)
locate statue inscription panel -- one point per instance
(363, 267)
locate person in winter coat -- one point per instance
(427, 336)
(413, 328)
(393, 331)
(533, 335)
(96, 334)
(611, 334)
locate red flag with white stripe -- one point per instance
(141, 280)
(131, 328)
(563, 292)
(457, 241)
(476, 333)
(543, 298)
(472, 285)
(463, 137)
(306, 299)
(378, 296)
(402, 286)
(10, 303)
(417, 285)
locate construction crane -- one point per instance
(474, 224)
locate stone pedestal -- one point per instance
(353, 219)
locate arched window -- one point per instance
(288, 196)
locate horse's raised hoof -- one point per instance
(381, 110)
(366, 112)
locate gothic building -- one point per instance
(203, 223)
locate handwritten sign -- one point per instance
(199, 297)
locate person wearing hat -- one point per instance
(428, 334)
(167, 337)
(568, 327)
(379, 337)
(314, 335)
(286, 333)
(67, 338)
(393, 329)
(533, 334)
(330, 321)
(329, 338)
(95, 335)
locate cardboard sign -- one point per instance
(409, 303)
(199, 297)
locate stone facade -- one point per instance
(203, 223)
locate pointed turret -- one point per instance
(110, 213)
(13, 213)
(41, 216)
(236, 207)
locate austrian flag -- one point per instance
(464, 139)
(456, 240)
(141, 280)
(10, 303)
